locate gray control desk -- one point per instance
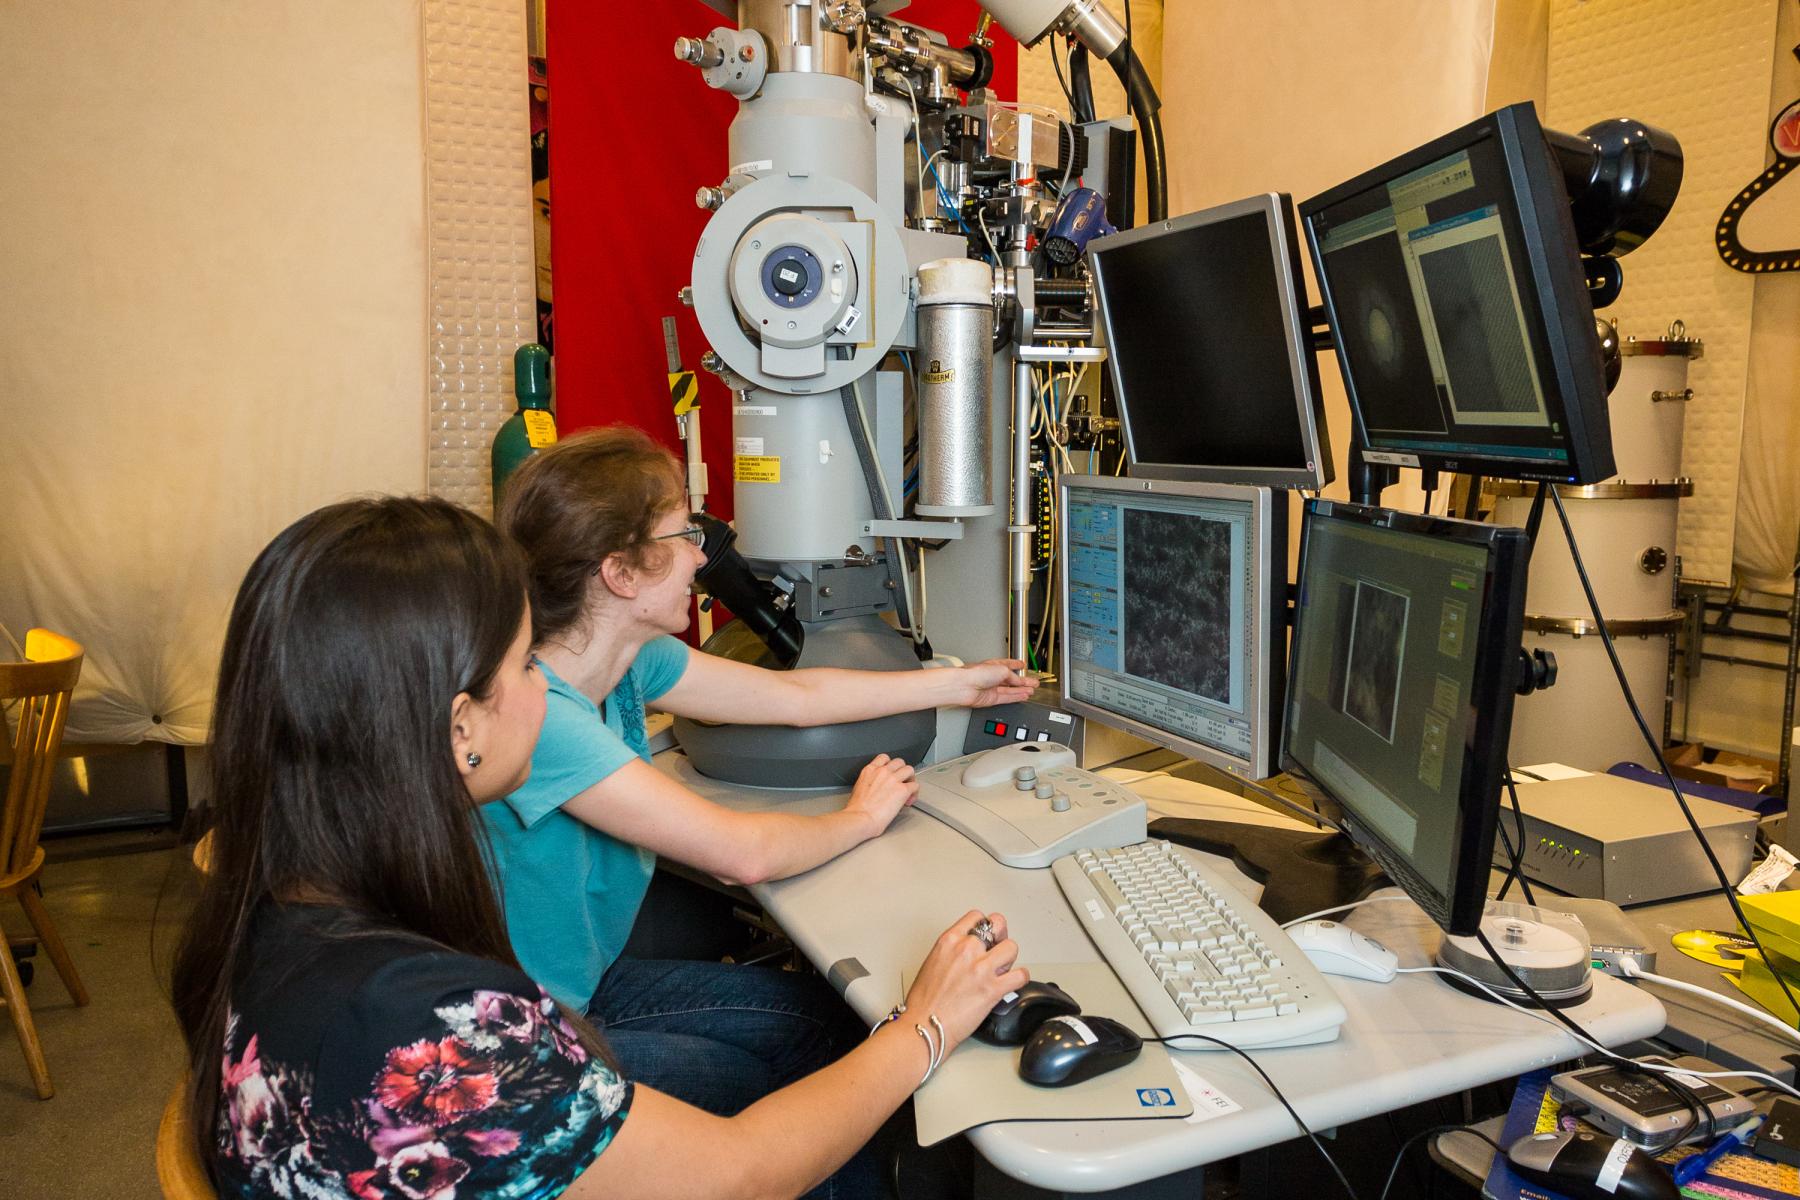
(873, 913)
(1697, 1026)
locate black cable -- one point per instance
(1320, 1146)
(1424, 1133)
(1056, 63)
(1650, 739)
(1513, 856)
(1141, 98)
(1512, 791)
(1081, 85)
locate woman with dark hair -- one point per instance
(603, 522)
(357, 1025)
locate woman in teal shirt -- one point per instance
(602, 518)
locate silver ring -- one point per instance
(984, 930)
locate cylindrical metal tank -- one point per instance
(1626, 530)
(955, 372)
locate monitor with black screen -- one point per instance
(1399, 701)
(1209, 348)
(1173, 597)
(1458, 304)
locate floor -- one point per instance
(120, 900)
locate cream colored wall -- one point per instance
(1739, 707)
(212, 314)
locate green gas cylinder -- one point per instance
(533, 425)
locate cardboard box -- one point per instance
(1722, 768)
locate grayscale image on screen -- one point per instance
(1377, 647)
(1478, 326)
(1178, 602)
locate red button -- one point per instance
(999, 728)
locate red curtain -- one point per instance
(633, 134)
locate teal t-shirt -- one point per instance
(572, 892)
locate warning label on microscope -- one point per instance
(757, 468)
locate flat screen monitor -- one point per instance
(1209, 347)
(1399, 703)
(1459, 307)
(1174, 595)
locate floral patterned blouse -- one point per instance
(371, 1067)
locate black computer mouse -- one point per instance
(1067, 1050)
(1019, 1013)
(1590, 1166)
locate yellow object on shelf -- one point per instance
(1775, 916)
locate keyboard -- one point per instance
(1196, 955)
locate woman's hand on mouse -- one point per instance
(883, 788)
(962, 978)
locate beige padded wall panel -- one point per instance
(1294, 96)
(478, 217)
(1699, 68)
(212, 317)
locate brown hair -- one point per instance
(596, 493)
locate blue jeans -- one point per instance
(721, 1036)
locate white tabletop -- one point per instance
(869, 915)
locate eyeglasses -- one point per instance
(694, 535)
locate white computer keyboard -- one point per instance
(1196, 955)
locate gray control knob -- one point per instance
(1045, 790)
(1024, 778)
(1059, 802)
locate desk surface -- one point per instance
(1696, 1026)
(873, 913)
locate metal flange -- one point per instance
(886, 276)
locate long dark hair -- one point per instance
(331, 764)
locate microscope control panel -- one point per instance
(1028, 805)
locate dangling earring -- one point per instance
(474, 760)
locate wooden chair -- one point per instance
(178, 1166)
(41, 686)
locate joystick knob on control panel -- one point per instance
(998, 765)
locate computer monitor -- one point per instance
(1173, 596)
(1459, 307)
(1209, 347)
(1399, 702)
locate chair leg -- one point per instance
(14, 992)
(51, 940)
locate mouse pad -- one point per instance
(979, 1083)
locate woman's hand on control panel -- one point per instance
(997, 681)
(883, 788)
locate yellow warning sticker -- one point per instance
(684, 391)
(758, 468)
(540, 428)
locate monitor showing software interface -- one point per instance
(1381, 697)
(1168, 630)
(1210, 354)
(1440, 328)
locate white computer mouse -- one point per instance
(1337, 949)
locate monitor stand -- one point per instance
(1302, 872)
